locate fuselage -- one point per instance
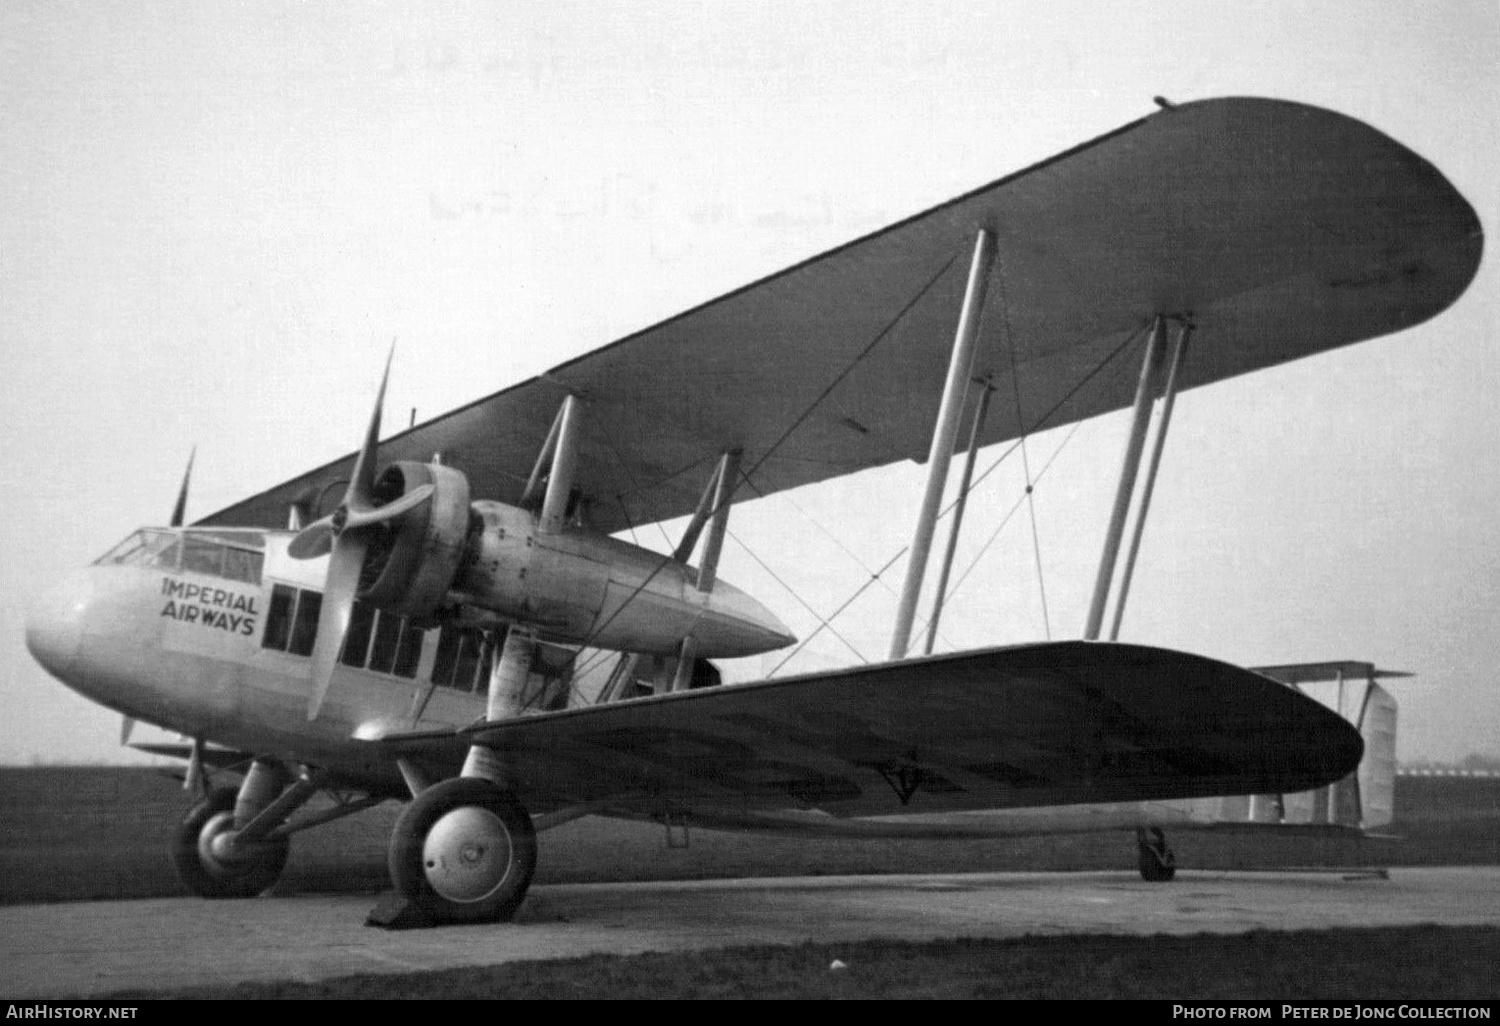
(209, 632)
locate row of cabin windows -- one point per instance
(381, 641)
(378, 641)
(463, 661)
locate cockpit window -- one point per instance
(236, 555)
(202, 556)
(243, 565)
(145, 548)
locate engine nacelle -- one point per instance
(573, 587)
(581, 588)
(409, 568)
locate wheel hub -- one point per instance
(216, 844)
(466, 854)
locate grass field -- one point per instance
(102, 833)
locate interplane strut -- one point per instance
(1169, 399)
(944, 433)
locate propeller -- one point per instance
(344, 535)
(179, 510)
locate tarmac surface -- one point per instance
(84, 949)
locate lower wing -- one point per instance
(1015, 727)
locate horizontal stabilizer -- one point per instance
(218, 758)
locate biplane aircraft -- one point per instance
(413, 621)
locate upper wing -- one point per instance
(1282, 229)
(1028, 725)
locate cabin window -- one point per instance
(292, 623)
(383, 648)
(462, 657)
(486, 666)
(408, 651)
(305, 626)
(468, 660)
(279, 619)
(357, 636)
(396, 646)
(447, 655)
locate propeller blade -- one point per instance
(333, 619)
(365, 517)
(314, 540)
(361, 493)
(127, 725)
(345, 534)
(179, 510)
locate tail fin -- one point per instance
(1376, 776)
(1364, 800)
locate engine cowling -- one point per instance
(410, 566)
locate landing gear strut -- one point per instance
(463, 851)
(1157, 861)
(213, 867)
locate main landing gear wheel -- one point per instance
(1158, 862)
(212, 871)
(463, 851)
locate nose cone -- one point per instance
(55, 624)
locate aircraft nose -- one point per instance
(54, 625)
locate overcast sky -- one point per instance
(214, 218)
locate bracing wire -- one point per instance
(1040, 474)
(1108, 359)
(1015, 387)
(835, 539)
(822, 622)
(1042, 421)
(872, 577)
(834, 615)
(747, 475)
(1036, 545)
(995, 534)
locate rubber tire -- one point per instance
(405, 856)
(241, 879)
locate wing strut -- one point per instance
(958, 513)
(713, 513)
(569, 432)
(727, 480)
(944, 432)
(1128, 469)
(1169, 398)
